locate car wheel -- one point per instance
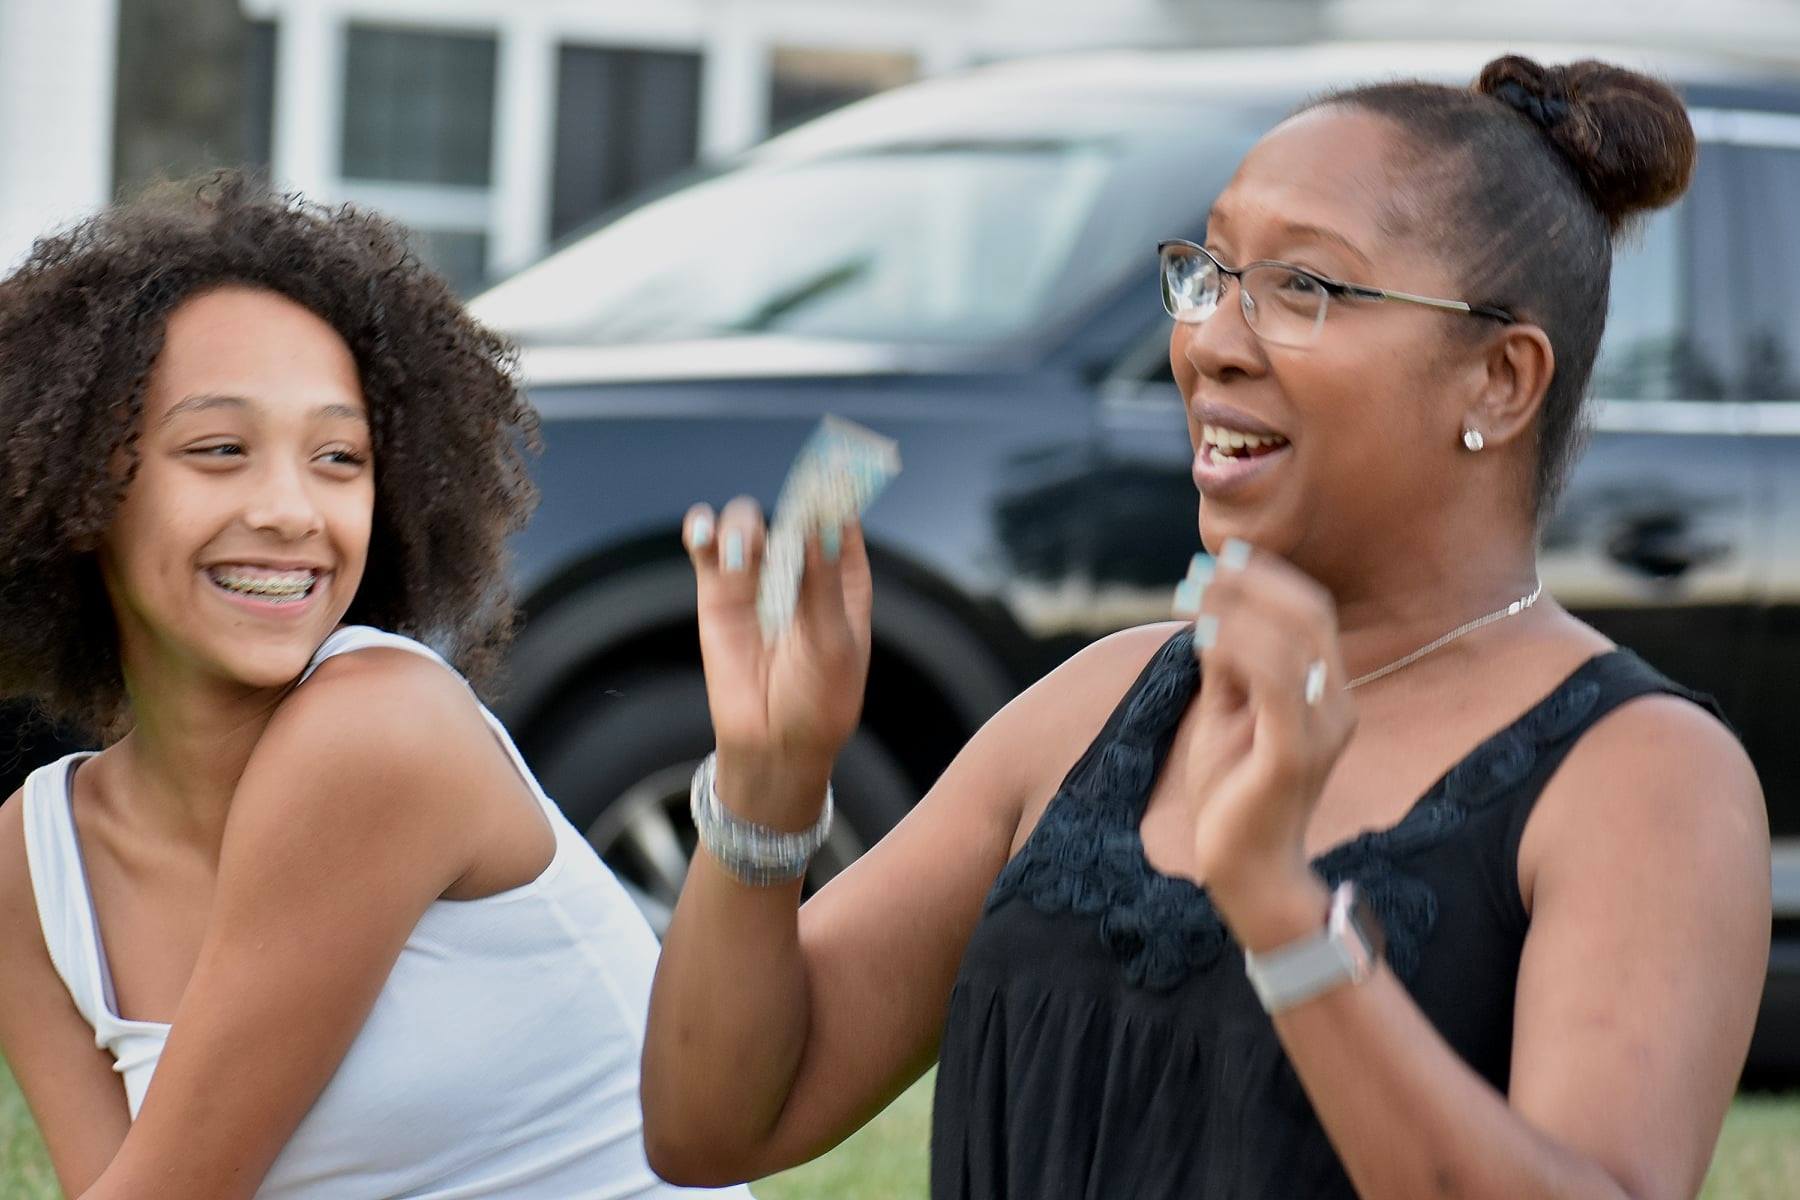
(620, 772)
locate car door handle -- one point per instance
(1663, 546)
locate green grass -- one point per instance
(1759, 1152)
(24, 1167)
(884, 1160)
(1758, 1156)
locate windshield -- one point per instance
(951, 241)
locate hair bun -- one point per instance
(1626, 134)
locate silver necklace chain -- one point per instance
(1500, 614)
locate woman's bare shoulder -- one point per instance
(1663, 783)
(1045, 730)
(1101, 672)
(1663, 751)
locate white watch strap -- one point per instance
(1295, 973)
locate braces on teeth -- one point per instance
(291, 588)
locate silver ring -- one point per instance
(1315, 682)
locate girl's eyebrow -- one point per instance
(201, 403)
(209, 400)
(341, 412)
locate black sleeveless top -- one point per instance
(1102, 1039)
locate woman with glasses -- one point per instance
(1381, 876)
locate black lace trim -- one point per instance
(1086, 855)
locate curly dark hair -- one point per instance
(83, 320)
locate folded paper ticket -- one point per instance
(839, 471)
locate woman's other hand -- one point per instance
(1263, 746)
(781, 710)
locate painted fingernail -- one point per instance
(1206, 631)
(1189, 591)
(700, 533)
(831, 541)
(734, 550)
(1235, 555)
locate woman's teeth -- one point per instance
(1229, 443)
(278, 586)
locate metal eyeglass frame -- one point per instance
(1331, 288)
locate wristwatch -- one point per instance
(1346, 950)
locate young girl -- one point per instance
(306, 926)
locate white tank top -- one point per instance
(500, 1059)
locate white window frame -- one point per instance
(736, 44)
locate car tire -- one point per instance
(619, 769)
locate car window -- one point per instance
(1756, 277)
(967, 240)
(1670, 332)
(1641, 356)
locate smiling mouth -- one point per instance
(270, 587)
(1222, 443)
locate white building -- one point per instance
(494, 127)
(599, 98)
(56, 97)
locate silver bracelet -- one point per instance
(754, 854)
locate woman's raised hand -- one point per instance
(1274, 715)
(781, 710)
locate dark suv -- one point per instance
(967, 265)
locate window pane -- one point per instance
(259, 94)
(625, 120)
(418, 107)
(1663, 340)
(1640, 353)
(807, 83)
(1760, 274)
(460, 256)
(182, 90)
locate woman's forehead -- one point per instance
(1327, 173)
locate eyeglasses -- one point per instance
(1283, 303)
